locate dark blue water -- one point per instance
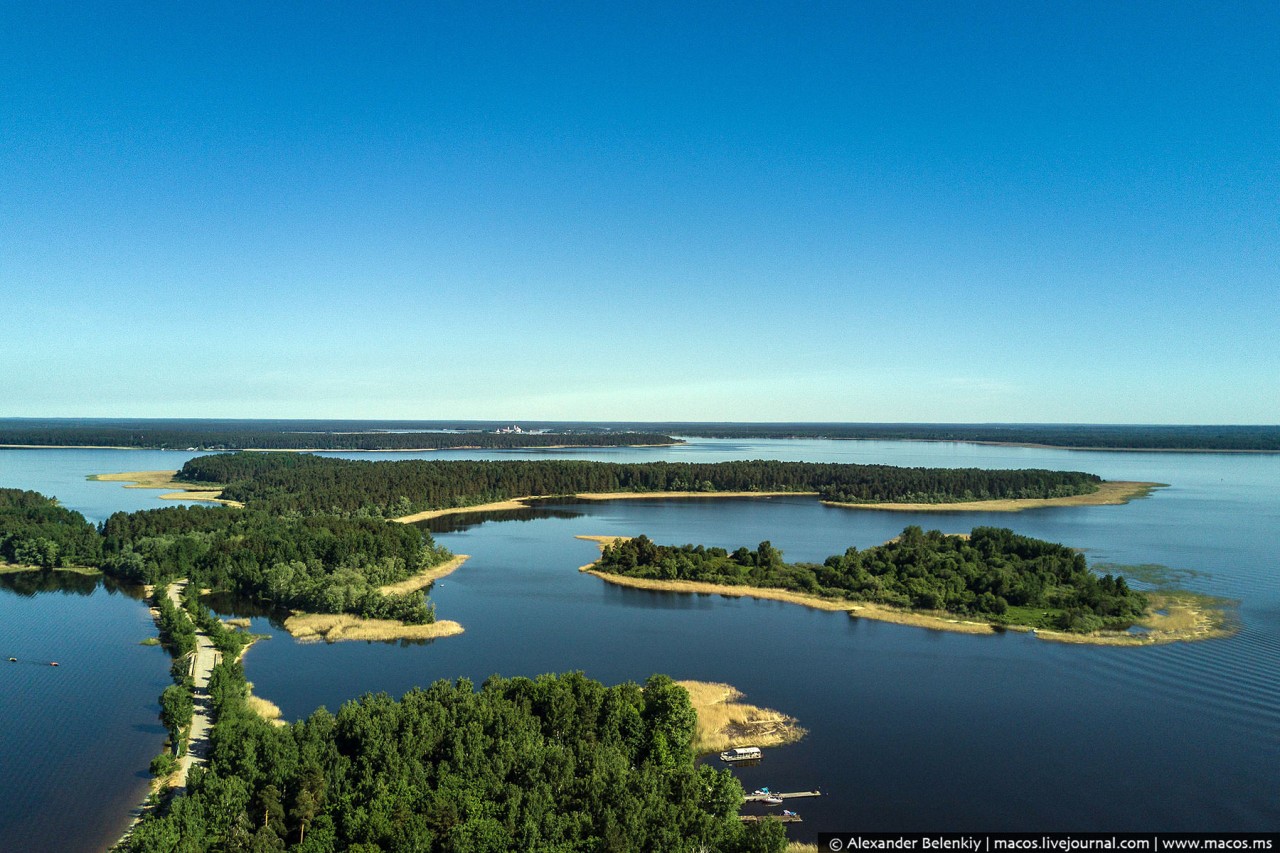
(77, 738)
(909, 728)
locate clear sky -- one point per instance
(854, 211)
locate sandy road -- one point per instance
(206, 657)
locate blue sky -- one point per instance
(1064, 212)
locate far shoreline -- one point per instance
(327, 449)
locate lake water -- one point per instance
(908, 728)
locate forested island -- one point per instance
(304, 483)
(992, 575)
(320, 562)
(285, 435)
(557, 763)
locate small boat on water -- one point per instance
(741, 753)
(53, 663)
(772, 800)
(13, 660)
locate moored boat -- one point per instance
(741, 753)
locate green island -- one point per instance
(284, 482)
(554, 763)
(989, 579)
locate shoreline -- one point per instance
(1109, 493)
(1085, 448)
(524, 502)
(326, 449)
(1186, 619)
(164, 480)
(337, 627)
(22, 568)
(425, 578)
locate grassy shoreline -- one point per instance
(164, 480)
(724, 723)
(524, 502)
(335, 627)
(1186, 617)
(19, 568)
(1109, 493)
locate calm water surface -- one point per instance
(909, 728)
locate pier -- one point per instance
(794, 795)
(780, 818)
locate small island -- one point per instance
(985, 581)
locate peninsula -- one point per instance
(982, 582)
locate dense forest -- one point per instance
(993, 573)
(297, 482)
(560, 763)
(35, 531)
(242, 436)
(320, 562)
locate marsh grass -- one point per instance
(333, 627)
(207, 492)
(724, 723)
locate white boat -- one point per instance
(741, 753)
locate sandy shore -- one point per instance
(724, 723)
(332, 627)
(523, 502)
(164, 480)
(425, 579)
(1110, 493)
(1187, 618)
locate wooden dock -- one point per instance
(794, 795)
(780, 818)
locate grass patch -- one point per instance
(207, 492)
(333, 627)
(724, 723)
(1152, 574)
